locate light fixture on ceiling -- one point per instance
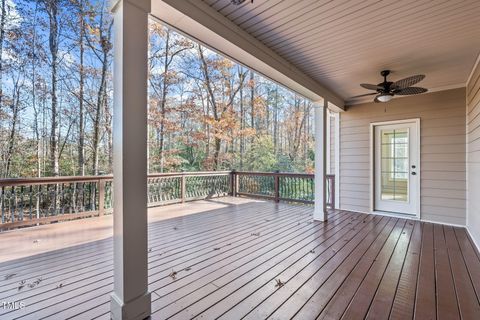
(238, 2)
(385, 97)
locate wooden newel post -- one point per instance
(276, 185)
(233, 183)
(183, 187)
(101, 197)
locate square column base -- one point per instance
(319, 214)
(137, 309)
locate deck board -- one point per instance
(404, 300)
(447, 304)
(425, 299)
(228, 258)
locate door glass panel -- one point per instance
(394, 164)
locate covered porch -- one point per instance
(258, 245)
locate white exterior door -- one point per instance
(396, 168)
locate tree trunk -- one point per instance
(252, 103)
(162, 102)
(216, 154)
(52, 10)
(242, 127)
(13, 130)
(101, 94)
(2, 38)
(275, 122)
(81, 129)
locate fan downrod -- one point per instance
(384, 74)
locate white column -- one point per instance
(320, 212)
(130, 298)
(329, 140)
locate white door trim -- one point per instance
(372, 164)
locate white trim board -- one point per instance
(472, 238)
(337, 159)
(407, 217)
(475, 65)
(372, 161)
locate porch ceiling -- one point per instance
(344, 43)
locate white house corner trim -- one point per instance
(320, 109)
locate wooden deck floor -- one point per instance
(261, 260)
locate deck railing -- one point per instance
(280, 186)
(33, 201)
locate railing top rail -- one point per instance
(281, 174)
(70, 179)
(188, 174)
(51, 180)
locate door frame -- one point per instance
(372, 167)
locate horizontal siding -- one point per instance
(473, 155)
(443, 152)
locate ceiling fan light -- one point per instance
(384, 97)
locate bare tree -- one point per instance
(51, 7)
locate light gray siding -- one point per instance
(473, 154)
(443, 152)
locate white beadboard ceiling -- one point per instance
(342, 43)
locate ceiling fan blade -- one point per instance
(407, 82)
(370, 86)
(363, 95)
(410, 90)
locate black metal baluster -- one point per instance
(62, 201)
(30, 201)
(13, 204)
(83, 196)
(22, 204)
(3, 204)
(55, 199)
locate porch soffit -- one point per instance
(344, 43)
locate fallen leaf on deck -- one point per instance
(21, 285)
(279, 283)
(10, 276)
(173, 275)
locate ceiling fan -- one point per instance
(387, 89)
